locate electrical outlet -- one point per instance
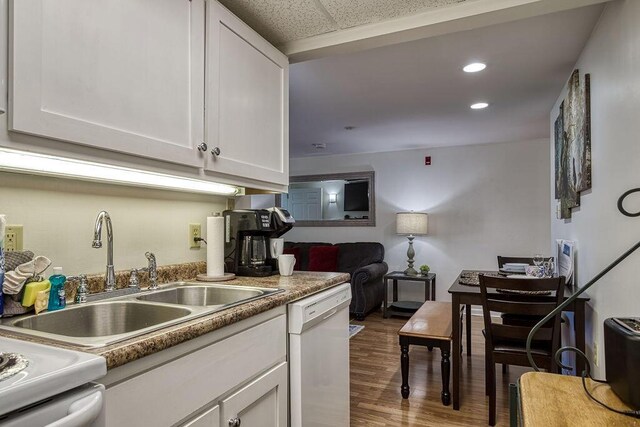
(595, 353)
(195, 230)
(13, 238)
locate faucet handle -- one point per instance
(134, 282)
(151, 257)
(152, 269)
(83, 289)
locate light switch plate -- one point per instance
(195, 230)
(13, 236)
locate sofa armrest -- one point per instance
(369, 273)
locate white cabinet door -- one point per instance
(247, 101)
(121, 75)
(261, 403)
(210, 418)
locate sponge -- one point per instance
(31, 291)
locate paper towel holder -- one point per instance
(226, 276)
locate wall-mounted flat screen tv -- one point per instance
(356, 196)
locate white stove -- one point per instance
(54, 376)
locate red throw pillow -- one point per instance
(296, 254)
(323, 258)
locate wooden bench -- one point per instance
(430, 326)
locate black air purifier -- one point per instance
(622, 357)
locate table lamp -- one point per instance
(411, 224)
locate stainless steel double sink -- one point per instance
(106, 322)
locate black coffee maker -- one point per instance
(246, 239)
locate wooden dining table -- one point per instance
(470, 295)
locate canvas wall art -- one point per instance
(572, 138)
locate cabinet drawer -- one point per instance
(181, 387)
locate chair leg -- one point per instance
(505, 368)
(487, 387)
(468, 319)
(491, 373)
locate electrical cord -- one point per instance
(587, 374)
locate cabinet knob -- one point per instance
(234, 422)
(202, 147)
(215, 151)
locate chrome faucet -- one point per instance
(110, 275)
(153, 270)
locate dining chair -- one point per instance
(512, 319)
(505, 343)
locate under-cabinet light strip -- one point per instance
(40, 164)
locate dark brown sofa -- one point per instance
(364, 261)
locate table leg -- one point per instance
(404, 363)
(427, 293)
(455, 354)
(467, 318)
(579, 319)
(384, 300)
(395, 290)
(445, 365)
(433, 289)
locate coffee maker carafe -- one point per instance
(254, 251)
(247, 249)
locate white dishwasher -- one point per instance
(319, 358)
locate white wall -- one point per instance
(482, 200)
(58, 216)
(612, 57)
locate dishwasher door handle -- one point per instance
(331, 313)
(82, 411)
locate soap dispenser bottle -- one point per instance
(57, 297)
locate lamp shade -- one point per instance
(411, 223)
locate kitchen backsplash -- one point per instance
(58, 216)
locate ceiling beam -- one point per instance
(436, 22)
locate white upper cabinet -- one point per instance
(247, 101)
(120, 75)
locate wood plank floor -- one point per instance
(376, 380)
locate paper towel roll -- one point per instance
(215, 246)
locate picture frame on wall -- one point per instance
(572, 144)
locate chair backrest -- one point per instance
(521, 303)
(502, 260)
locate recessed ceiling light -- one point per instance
(474, 67)
(479, 106)
(349, 127)
(319, 146)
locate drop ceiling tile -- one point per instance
(350, 13)
(281, 21)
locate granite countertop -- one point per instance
(295, 287)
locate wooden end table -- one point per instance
(406, 308)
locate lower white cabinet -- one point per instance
(239, 371)
(261, 403)
(210, 418)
